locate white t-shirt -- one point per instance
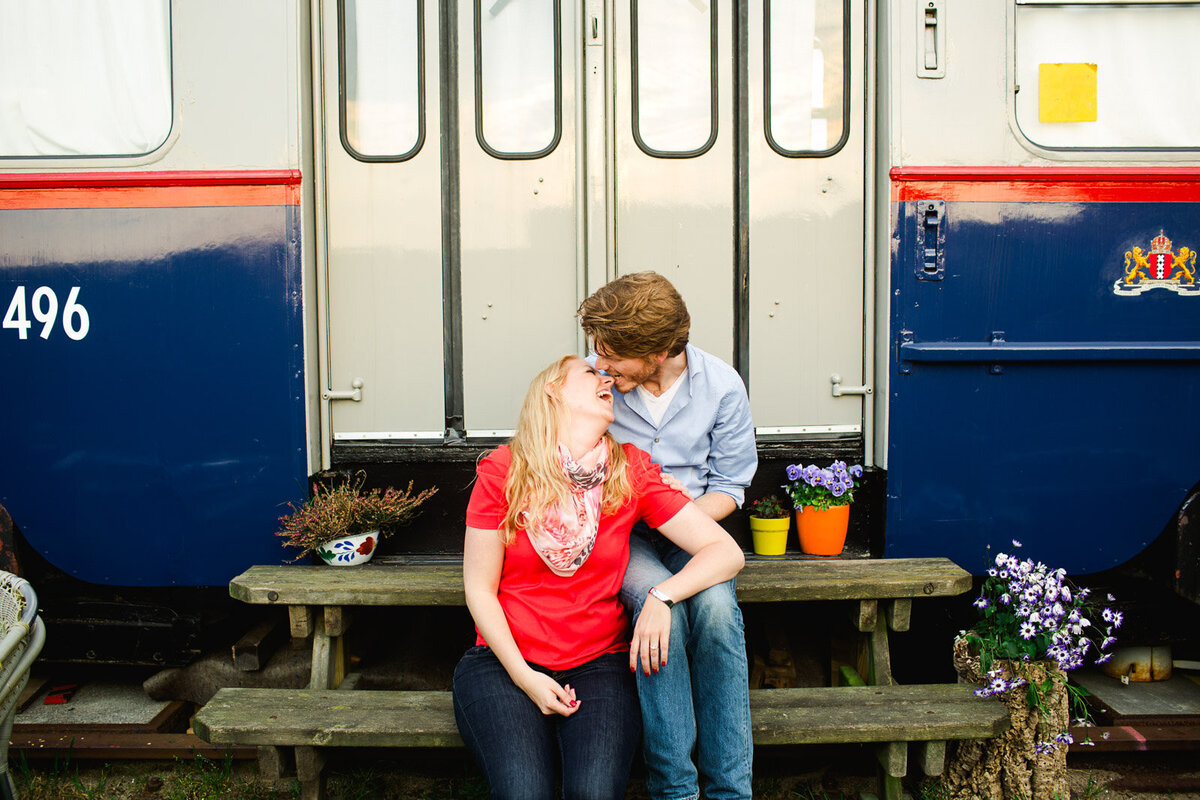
(657, 406)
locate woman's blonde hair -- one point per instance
(536, 481)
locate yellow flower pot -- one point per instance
(770, 535)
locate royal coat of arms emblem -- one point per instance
(1160, 268)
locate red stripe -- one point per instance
(105, 180)
(149, 189)
(1048, 184)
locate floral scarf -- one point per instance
(566, 534)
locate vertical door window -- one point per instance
(674, 76)
(518, 68)
(84, 77)
(806, 51)
(381, 50)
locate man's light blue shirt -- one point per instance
(706, 438)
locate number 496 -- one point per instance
(44, 306)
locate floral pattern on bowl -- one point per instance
(350, 550)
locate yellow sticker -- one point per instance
(1067, 92)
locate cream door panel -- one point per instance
(383, 223)
(806, 221)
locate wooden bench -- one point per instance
(320, 600)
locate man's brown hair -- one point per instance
(636, 316)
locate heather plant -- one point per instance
(822, 488)
(346, 510)
(1032, 613)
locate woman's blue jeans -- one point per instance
(523, 751)
(701, 699)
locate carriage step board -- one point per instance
(759, 581)
(332, 718)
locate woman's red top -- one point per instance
(560, 622)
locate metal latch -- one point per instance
(930, 239)
(931, 35)
(839, 390)
(355, 394)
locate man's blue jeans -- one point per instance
(522, 751)
(701, 698)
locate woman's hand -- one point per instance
(547, 695)
(651, 637)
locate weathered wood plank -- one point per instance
(251, 652)
(328, 718)
(441, 584)
(302, 717)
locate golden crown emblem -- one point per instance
(1160, 244)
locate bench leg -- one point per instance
(328, 661)
(310, 763)
(893, 758)
(932, 758)
(274, 763)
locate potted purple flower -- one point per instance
(1034, 627)
(822, 497)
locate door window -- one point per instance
(806, 55)
(518, 100)
(382, 97)
(674, 45)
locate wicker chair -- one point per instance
(21, 638)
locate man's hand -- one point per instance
(676, 484)
(651, 637)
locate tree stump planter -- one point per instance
(1009, 767)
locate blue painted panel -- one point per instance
(1083, 447)
(158, 449)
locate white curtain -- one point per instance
(84, 77)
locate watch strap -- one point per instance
(656, 592)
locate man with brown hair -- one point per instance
(688, 409)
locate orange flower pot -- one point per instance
(822, 533)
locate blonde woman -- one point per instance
(548, 691)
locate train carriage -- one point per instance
(242, 245)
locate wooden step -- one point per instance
(441, 584)
(333, 718)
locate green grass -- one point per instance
(195, 779)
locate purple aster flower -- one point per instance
(981, 602)
(1028, 630)
(1016, 543)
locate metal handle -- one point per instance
(355, 394)
(839, 390)
(931, 33)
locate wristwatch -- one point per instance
(654, 592)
